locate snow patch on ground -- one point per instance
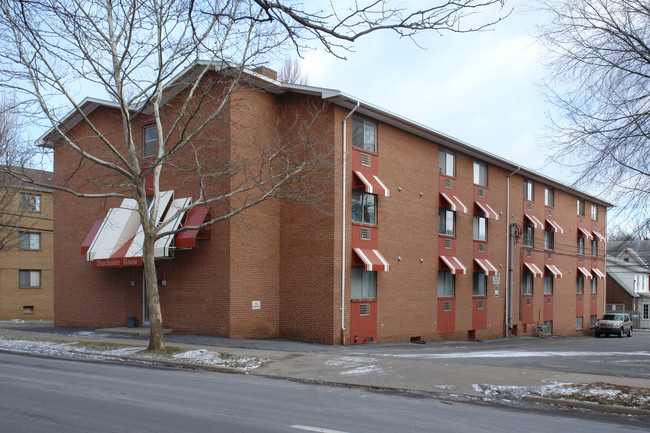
(355, 366)
(116, 352)
(514, 354)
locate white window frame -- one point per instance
(549, 197)
(364, 134)
(594, 285)
(28, 202)
(579, 323)
(548, 284)
(529, 190)
(527, 284)
(363, 283)
(29, 241)
(34, 277)
(528, 236)
(580, 246)
(446, 222)
(594, 212)
(581, 207)
(480, 173)
(580, 285)
(479, 284)
(549, 240)
(480, 228)
(594, 247)
(447, 162)
(366, 204)
(446, 284)
(149, 144)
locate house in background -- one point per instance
(27, 259)
(628, 279)
(410, 243)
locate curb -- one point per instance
(577, 404)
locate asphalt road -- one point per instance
(50, 395)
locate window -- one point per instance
(580, 285)
(364, 283)
(529, 236)
(480, 284)
(480, 173)
(29, 279)
(480, 228)
(646, 311)
(150, 134)
(364, 208)
(446, 220)
(549, 198)
(29, 202)
(527, 284)
(29, 241)
(446, 162)
(549, 239)
(445, 284)
(594, 247)
(578, 322)
(592, 321)
(581, 207)
(594, 285)
(548, 284)
(528, 190)
(364, 133)
(594, 212)
(581, 245)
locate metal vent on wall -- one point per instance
(448, 183)
(481, 248)
(529, 206)
(550, 256)
(528, 302)
(550, 212)
(529, 253)
(548, 300)
(581, 259)
(366, 160)
(365, 234)
(593, 298)
(481, 192)
(447, 244)
(580, 298)
(364, 309)
(582, 220)
(446, 306)
(479, 305)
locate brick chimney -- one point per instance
(267, 72)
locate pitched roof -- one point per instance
(29, 174)
(637, 248)
(337, 97)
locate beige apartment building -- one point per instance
(27, 253)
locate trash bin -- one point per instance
(130, 321)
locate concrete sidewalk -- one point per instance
(365, 366)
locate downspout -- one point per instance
(344, 220)
(508, 312)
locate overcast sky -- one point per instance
(482, 88)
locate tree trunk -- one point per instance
(156, 338)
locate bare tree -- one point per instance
(14, 156)
(291, 72)
(180, 64)
(600, 83)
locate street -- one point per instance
(46, 395)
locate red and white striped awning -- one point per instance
(598, 273)
(585, 233)
(585, 272)
(554, 270)
(487, 267)
(372, 259)
(533, 269)
(536, 223)
(489, 212)
(556, 227)
(454, 265)
(599, 236)
(373, 184)
(455, 204)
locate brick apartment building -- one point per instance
(27, 258)
(412, 243)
